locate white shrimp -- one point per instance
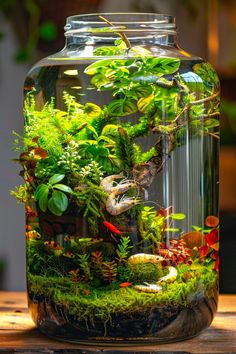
(149, 288)
(170, 277)
(145, 258)
(107, 182)
(140, 258)
(115, 207)
(114, 204)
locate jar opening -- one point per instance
(127, 22)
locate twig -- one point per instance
(203, 100)
(121, 34)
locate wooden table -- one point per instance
(18, 333)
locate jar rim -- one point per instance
(129, 21)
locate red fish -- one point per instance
(30, 179)
(69, 255)
(125, 285)
(111, 228)
(53, 245)
(30, 212)
(86, 291)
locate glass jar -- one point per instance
(120, 164)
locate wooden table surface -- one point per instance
(18, 333)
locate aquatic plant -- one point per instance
(125, 149)
(209, 252)
(109, 271)
(70, 159)
(123, 249)
(52, 195)
(90, 198)
(151, 226)
(176, 253)
(84, 264)
(90, 172)
(144, 272)
(103, 302)
(21, 194)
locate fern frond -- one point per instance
(125, 148)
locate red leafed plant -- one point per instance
(177, 253)
(211, 248)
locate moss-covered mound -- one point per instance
(88, 303)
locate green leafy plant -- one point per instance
(109, 271)
(85, 266)
(151, 226)
(21, 194)
(52, 195)
(123, 249)
(73, 155)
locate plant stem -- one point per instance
(121, 34)
(203, 100)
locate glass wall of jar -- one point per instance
(120, 164)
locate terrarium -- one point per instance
(120, 163)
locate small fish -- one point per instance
(69, 238)
(32, 235)
(28, 87)
(112, 228)
(125, 284)
(30, 212)
(28, 227)
(29, 179)
(53, 245)
(69, 255)
(86, 291)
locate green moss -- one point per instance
(149, 272)
(102, 302)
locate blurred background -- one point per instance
(32, 29)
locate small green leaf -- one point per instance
(97, 65)
(56, 178)
(171, 229)
(93, 130)
(212, 123)
(145, 103)
(110, 130)
(122, 107)
(63, 187)
(108, 51)
(140, 51)
(92, 110)
(177, 216)
(43, 200)
(39, 191)
(99, 80)
(53, 208)
(143, 91)
(60, 200)
(207, 74)
(163, 65)
(196, 228)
